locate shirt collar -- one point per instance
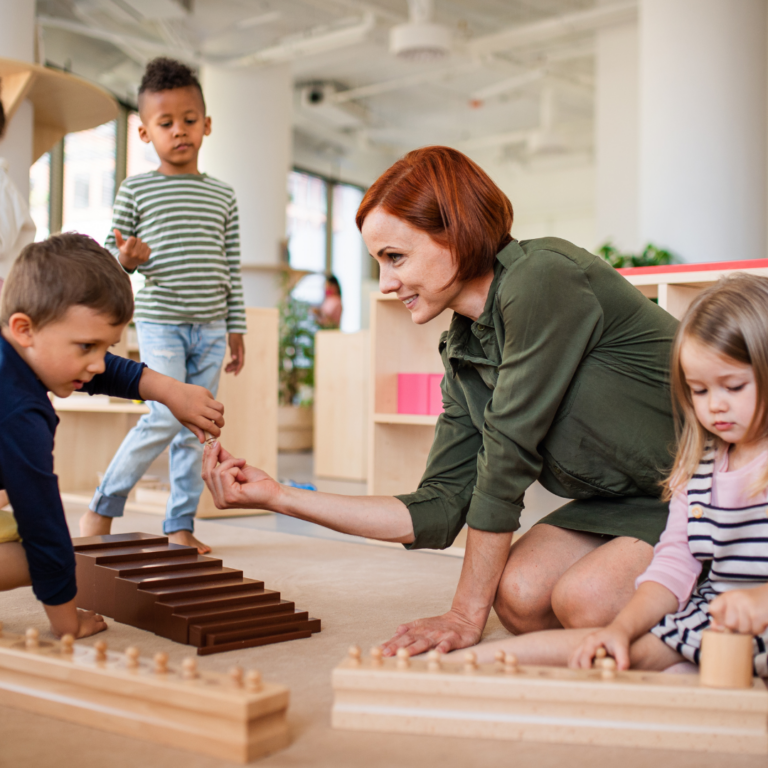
(25, 375)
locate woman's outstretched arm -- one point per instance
(235, 485)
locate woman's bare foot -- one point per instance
(93, 524)
(188, 540)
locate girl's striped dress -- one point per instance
(735, 540)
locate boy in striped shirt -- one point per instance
(179, 229)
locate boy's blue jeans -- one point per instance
(192, 353)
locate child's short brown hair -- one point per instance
(64, 271)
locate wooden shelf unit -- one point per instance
(399, 443)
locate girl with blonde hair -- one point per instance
(718, 493)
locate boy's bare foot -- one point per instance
(93, 524)
(188, 540)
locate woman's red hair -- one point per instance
(443, 193)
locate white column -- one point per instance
(616, 136)
(250, 148)
(703, 127)
(17, 41)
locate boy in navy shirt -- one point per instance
(65, 302)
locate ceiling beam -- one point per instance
(548, 30)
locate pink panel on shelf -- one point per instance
(435, 394)
(413, 393)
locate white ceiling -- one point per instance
(518, 65)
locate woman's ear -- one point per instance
(21, 329)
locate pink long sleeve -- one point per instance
(673, 566)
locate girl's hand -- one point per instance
(615, 641)
(743, 610)
(235, 485)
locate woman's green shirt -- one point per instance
(563, 379)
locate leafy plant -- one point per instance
(297, 352)
(650, 257)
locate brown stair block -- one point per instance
(145, 581)
(183, 622)
(199, 632)
(135, 596)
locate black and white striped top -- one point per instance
(734, 539)
(191, 224)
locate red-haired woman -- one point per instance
(556, 371)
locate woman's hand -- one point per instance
(234, 484)
(449, 632)
(742, 610)
(613, 638)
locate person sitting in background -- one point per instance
(16, 226)
(328, 314)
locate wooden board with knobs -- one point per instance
(233, 716)
(504, 700)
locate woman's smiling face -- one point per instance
(412, 264)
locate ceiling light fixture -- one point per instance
(420, 38)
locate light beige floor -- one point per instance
(361, 593)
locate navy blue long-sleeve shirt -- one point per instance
(28, 424)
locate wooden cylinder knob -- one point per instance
(433, 661)
(498, 660)
(377, 657)
(32, 638)
(355, 655)
(236, 675)
(67, 645)
(510, 664)
(189, 668)
(726, 660)
(101, 650)
(608, 666)
(253, 681)
(470, 662)
(161, 663)
(132, 657)
(403, 658)
(600, 654)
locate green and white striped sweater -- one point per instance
(191, 224)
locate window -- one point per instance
(89, 156)
(40, 195)
(140, 157)
(313, 248)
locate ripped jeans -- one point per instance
(193, 353)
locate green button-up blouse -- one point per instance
(563, 379)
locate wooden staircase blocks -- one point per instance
(171, 590)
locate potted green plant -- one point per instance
(296, 375)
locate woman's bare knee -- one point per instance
(523, 609)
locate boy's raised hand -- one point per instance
(742, 610)
(133, 251)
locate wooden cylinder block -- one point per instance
(726, 660)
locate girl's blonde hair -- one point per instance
(731, 318)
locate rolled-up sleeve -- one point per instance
(552, 319)
(439, 507)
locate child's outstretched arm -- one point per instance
(195, 407)
(742, 610)
(650, 603)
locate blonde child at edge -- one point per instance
(718, 491)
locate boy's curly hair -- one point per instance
(164, 74)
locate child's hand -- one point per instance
(195, 408)
(743, 610)
(133, 251)
(237, 352)
(615, 641)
